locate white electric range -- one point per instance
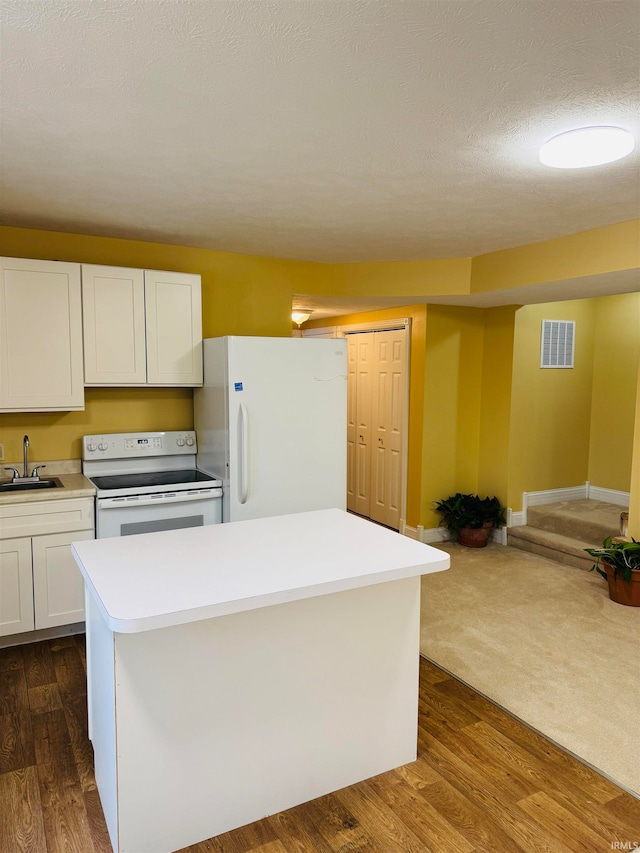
(148, 481)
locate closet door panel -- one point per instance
(387, 426)
(352, 355)
(364, 379)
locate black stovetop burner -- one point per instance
(150, 478)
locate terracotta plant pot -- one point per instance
(474, 537)
(620, 591)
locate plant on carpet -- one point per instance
(621, 561)
(469, 518)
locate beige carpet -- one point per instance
(544, 641)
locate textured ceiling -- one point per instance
(354, 130)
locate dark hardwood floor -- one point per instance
(482, 782)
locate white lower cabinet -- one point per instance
(40, 583)
(58, 588)
(16, 587)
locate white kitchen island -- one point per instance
(237, 670)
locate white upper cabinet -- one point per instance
(173, 310)
(141, 327)
(41, 365)
(113, 319)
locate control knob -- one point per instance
(191, 441)
(91, 447)
(102, 446)
(180, 442)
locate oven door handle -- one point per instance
(178, 497)
(243, 447)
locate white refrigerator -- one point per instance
(271, 423)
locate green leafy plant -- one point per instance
(623, 556)
(467, 510)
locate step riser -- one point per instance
(585, 531)
(550, 553)
(562, 531)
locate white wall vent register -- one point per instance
(557, 343)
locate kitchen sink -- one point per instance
(43, 483)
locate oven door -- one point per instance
(151, 513)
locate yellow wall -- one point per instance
(106, 410)
(460, 356)
(401, 278)
(602, 250)
(615, 366)
(452, 399)
(241, 295)
(634, 504)
(550, 408)
(459, 406)
(495, 420)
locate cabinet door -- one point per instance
(58, 587)
(173, 308)
(40, 336)
(113, 323)
(16, 587)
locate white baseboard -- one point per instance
(499, 535)
(440, 534)
(435, 534)
(42, 634)
(549, 496)
(610, 496)
(573, 493)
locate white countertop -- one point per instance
(73, 486)
(155, 580)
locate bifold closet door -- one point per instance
(387, 414)
(376, 394)
(359, 382)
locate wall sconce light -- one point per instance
(301, 315)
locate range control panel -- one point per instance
(130, 445)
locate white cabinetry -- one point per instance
(16, 587)
(58, 588)
(40, 584)
(40, 336)
(114, 326)
(141, 327)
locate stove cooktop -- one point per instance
(147, 479)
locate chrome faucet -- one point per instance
(25, 478)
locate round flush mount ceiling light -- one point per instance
(587, 146)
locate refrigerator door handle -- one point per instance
(243, 446)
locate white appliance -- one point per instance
(148, 481)
(271, 420)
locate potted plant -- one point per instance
(470, 518)
(621, 569)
